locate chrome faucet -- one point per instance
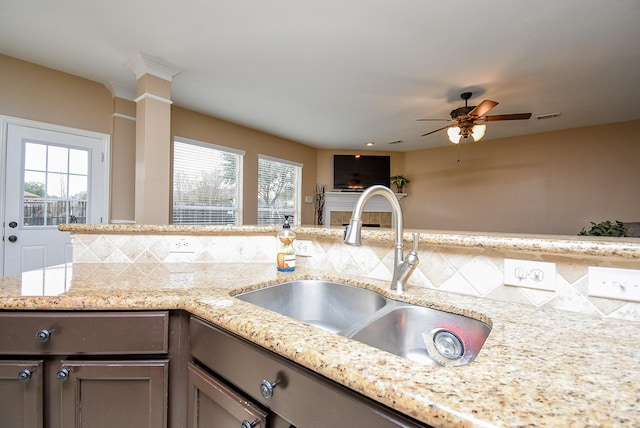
(402, 267)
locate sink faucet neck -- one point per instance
(402, 269)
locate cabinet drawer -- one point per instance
(300, 396)
(72, 333)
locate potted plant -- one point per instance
(606, 228)
(399, 181)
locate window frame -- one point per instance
(239, 197)
(297, 198)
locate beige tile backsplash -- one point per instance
(472, 271)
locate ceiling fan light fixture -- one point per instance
(469, 120)
(454, 134)
(478, 132)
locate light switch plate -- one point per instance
(530, 274)
(614, 283)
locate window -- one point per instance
(56, 183)
(207, 183)
(279, 190)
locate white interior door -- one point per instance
(51, 178)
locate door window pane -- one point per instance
(78, 162)
(57, 159)
(35, 184)
(56, 185)
(35, 157)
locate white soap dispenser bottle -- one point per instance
(286, 260)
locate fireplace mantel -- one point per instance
(346, 201)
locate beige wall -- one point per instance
(552, 183)
(189, 124)
(29, 91)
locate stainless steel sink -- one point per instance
(425, 335)
(328, 305)
(415, 332)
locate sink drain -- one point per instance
(444, 346)
(448, 344)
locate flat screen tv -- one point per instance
(357, 172)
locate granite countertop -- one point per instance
(537, 368)
(621, 248)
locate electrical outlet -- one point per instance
(530, 274)
(182, 244)
(613, 283)
(303, 247)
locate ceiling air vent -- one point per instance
(547, 116)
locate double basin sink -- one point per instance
(415, 332)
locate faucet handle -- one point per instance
(412, 259)
(416, 240)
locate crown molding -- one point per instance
(153, 97)
(124, 116)
(145, 64)
(118, 90)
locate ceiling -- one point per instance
(336, 74)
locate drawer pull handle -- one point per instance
(266, 388)
(43, 335)
(24, 375)
(62, 374)
(247, 424)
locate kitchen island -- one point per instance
(538, 367)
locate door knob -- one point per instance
(13, 225)
(13, 238)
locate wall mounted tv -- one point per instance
(357, 172)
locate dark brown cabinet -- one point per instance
(212, 403)
(159, 369)
(21, 389)
(291, 395)
(112, 393)
(88, 369)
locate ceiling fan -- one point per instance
(469, 120)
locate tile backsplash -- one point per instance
(473, 271)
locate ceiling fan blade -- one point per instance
(483, 107)
(517, 116)
(433, 120)
(439, 129)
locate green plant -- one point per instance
(606, 228)
(399, 181)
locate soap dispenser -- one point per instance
(286, 260)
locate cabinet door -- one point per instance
(107, 394)
(211, 404)
(21, 391)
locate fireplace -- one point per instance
(338, 207)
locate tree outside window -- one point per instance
(207, 183)
(279, 190)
